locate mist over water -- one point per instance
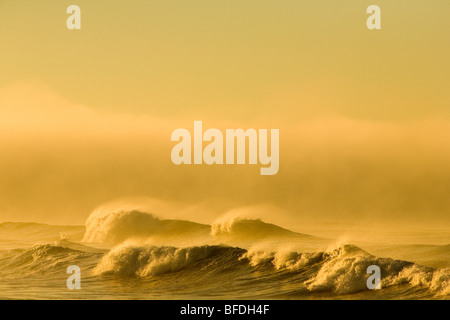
(332, 168)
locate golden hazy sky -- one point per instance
(86, 115)
(235, 58)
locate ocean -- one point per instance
(130, 254)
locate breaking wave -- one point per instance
(48, 259)
(151, 261)
(116, 226)
(240, 268)
(249, 228)
(104, 226)
(337, 271)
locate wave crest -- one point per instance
(248, 228)
(40, 259)
(128, 260)
(346, 273)
(104, 226)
